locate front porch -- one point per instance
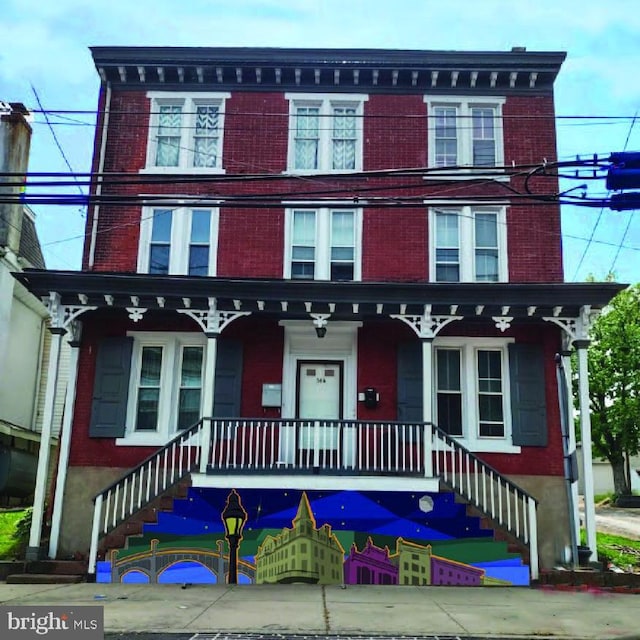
(332, 455)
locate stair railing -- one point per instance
(487, 490)
(144, 483)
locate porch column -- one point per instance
(42, 473)
(427, 404)
(585, 431)
(208, 396)
(65, 439)
(212, 321)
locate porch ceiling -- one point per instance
(296, 297)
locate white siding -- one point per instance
(18, 375)
(63, 377)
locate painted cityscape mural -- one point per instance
(318, 537)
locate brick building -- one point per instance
(321, 270)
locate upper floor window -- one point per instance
(178, 241)
(185, 132)
(325, 132)
(323, 244)
(465, 133)
(468, 244)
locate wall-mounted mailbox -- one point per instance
(271, 395)
(371, 398)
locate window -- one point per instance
(323, 244)
(178, 241)
(165, 388)
(468, 244)
(185, 132)
(471, 391)
(465, 133)
(325, 133)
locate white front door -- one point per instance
(319, 385)
(319, 400)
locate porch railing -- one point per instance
(324, 446)
(143, 484)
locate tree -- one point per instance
(614, 383)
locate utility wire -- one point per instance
(595, 226)
(53, 133)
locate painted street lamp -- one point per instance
(234, 517)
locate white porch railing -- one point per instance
(322, 446)
(143, 484)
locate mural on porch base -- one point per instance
(319, 537)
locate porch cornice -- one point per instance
(343, 300)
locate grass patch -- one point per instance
(11, 530)
(621, 551)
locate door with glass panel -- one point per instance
(319, 409)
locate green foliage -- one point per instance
(623, 552)
(15, 526)
(614, 383)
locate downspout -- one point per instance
(98, 191)
(569, 456)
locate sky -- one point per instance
(45, 60)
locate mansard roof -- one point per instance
(353, 70)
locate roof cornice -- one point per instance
(371, 70)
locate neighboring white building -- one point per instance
(603, 476)
(24, 338)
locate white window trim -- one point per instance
(169, 384)
(325, 101)
(467, 239)
(469, 384)
(323, 241)
(180, 239)
(188, 102)
(464, 135)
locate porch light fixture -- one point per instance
(234, 516)
(320, 323)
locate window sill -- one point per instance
(311, 172)
(467, 174)
(490, 446)
(177, 170)
(143, 440)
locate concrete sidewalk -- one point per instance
(312, 609)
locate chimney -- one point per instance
(15, 140)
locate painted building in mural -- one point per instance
(319, 272)
(301, 554)
(372, 565)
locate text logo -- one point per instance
(52, 623)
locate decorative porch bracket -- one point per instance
(211, 320)
(426, 326)
(63, 316)
(576, 334)
(575, 328)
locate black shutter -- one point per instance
(111, 388)
(410, 382)
(228, 386)
(528, 404)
